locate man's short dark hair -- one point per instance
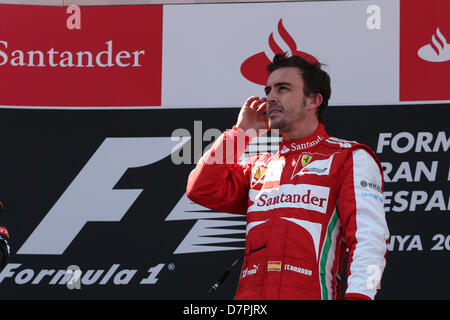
(316, 80)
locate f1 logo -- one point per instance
(90, 196)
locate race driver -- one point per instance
(306, 205)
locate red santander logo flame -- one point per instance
(254, 68)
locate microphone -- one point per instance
(224, 276)
(227, 272)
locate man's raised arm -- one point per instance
(218, 181)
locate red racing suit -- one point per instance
(306, 205)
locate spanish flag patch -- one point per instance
(274, 266)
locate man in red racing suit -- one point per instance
(306, 205)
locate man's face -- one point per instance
(286, 101)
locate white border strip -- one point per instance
(393, 104)
(138, 2)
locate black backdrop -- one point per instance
(43, 151)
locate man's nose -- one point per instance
(272, 97)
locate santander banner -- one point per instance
(215, 55)
(112, 59)
(424, 50)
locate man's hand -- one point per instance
(252, 118)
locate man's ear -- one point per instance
(314, 101)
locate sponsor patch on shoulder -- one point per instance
(341, 142)
(305, 165)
